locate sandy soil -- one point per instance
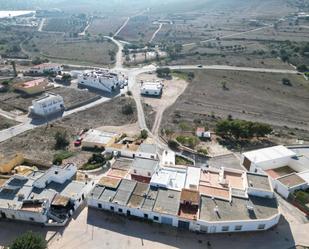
(251, 96)
(172, 90)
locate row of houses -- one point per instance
(209, 201)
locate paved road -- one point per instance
(234, 68)
(97, 229)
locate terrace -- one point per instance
(291, 180)
(278, 172)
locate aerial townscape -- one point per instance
(154, 124)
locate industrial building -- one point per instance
(49, 104)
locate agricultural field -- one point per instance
(250, 96)
(106, 25)
(79, 51)
(11, 101)
(40, 143)
(68, 24)
(139, 29)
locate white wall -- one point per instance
(24, 215)
(247, 225)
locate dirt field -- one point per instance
(11, 100)
(171, 90)
(138, 29)
(39, 143)
(106, 25)
(68, 50)
(6, 123)
(251, 96)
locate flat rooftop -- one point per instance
(138, 196)
(291, 180)
(167, 202)
(258, 181)
(96, 192)
(226, 161)
(148, 148)
(150, 200)
(169, 177)
(268, 154)
(122, 163)
(107, 195)
(259, 208)
(117, 173)
(145, 164)
(124, 192)
(278, 172)
(109, 182)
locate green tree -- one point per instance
(127, 109)
(62, 141)
(144, 134)
(29, 240)
(164, 72)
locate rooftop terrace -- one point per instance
(258, 181)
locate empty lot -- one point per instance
(252, 96)
(39, 143)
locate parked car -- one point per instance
(200, 66)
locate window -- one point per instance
(32, 219)
(99, 205)
(261, 226)
(155, 218)
(149, 174)
(13, 216)
(128, 212)
(112, 208)
(238, 228)
(225, 228)
(152, 157)
(146, 216)
(120, 210)
(135, 171)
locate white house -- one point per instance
(101, 80)
(287, 170)
(202, 133)
(46, 68)
(168, 158)
(267, 158)
(48, 197)
(152, 88)
(49, 104)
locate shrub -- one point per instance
(61, 140)
(173, 144)
(286, 82)
(189, 141)
(127, 109)
(144, 134)
(60, 156)
(163, 72)
(29, 240)
(302, 68)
